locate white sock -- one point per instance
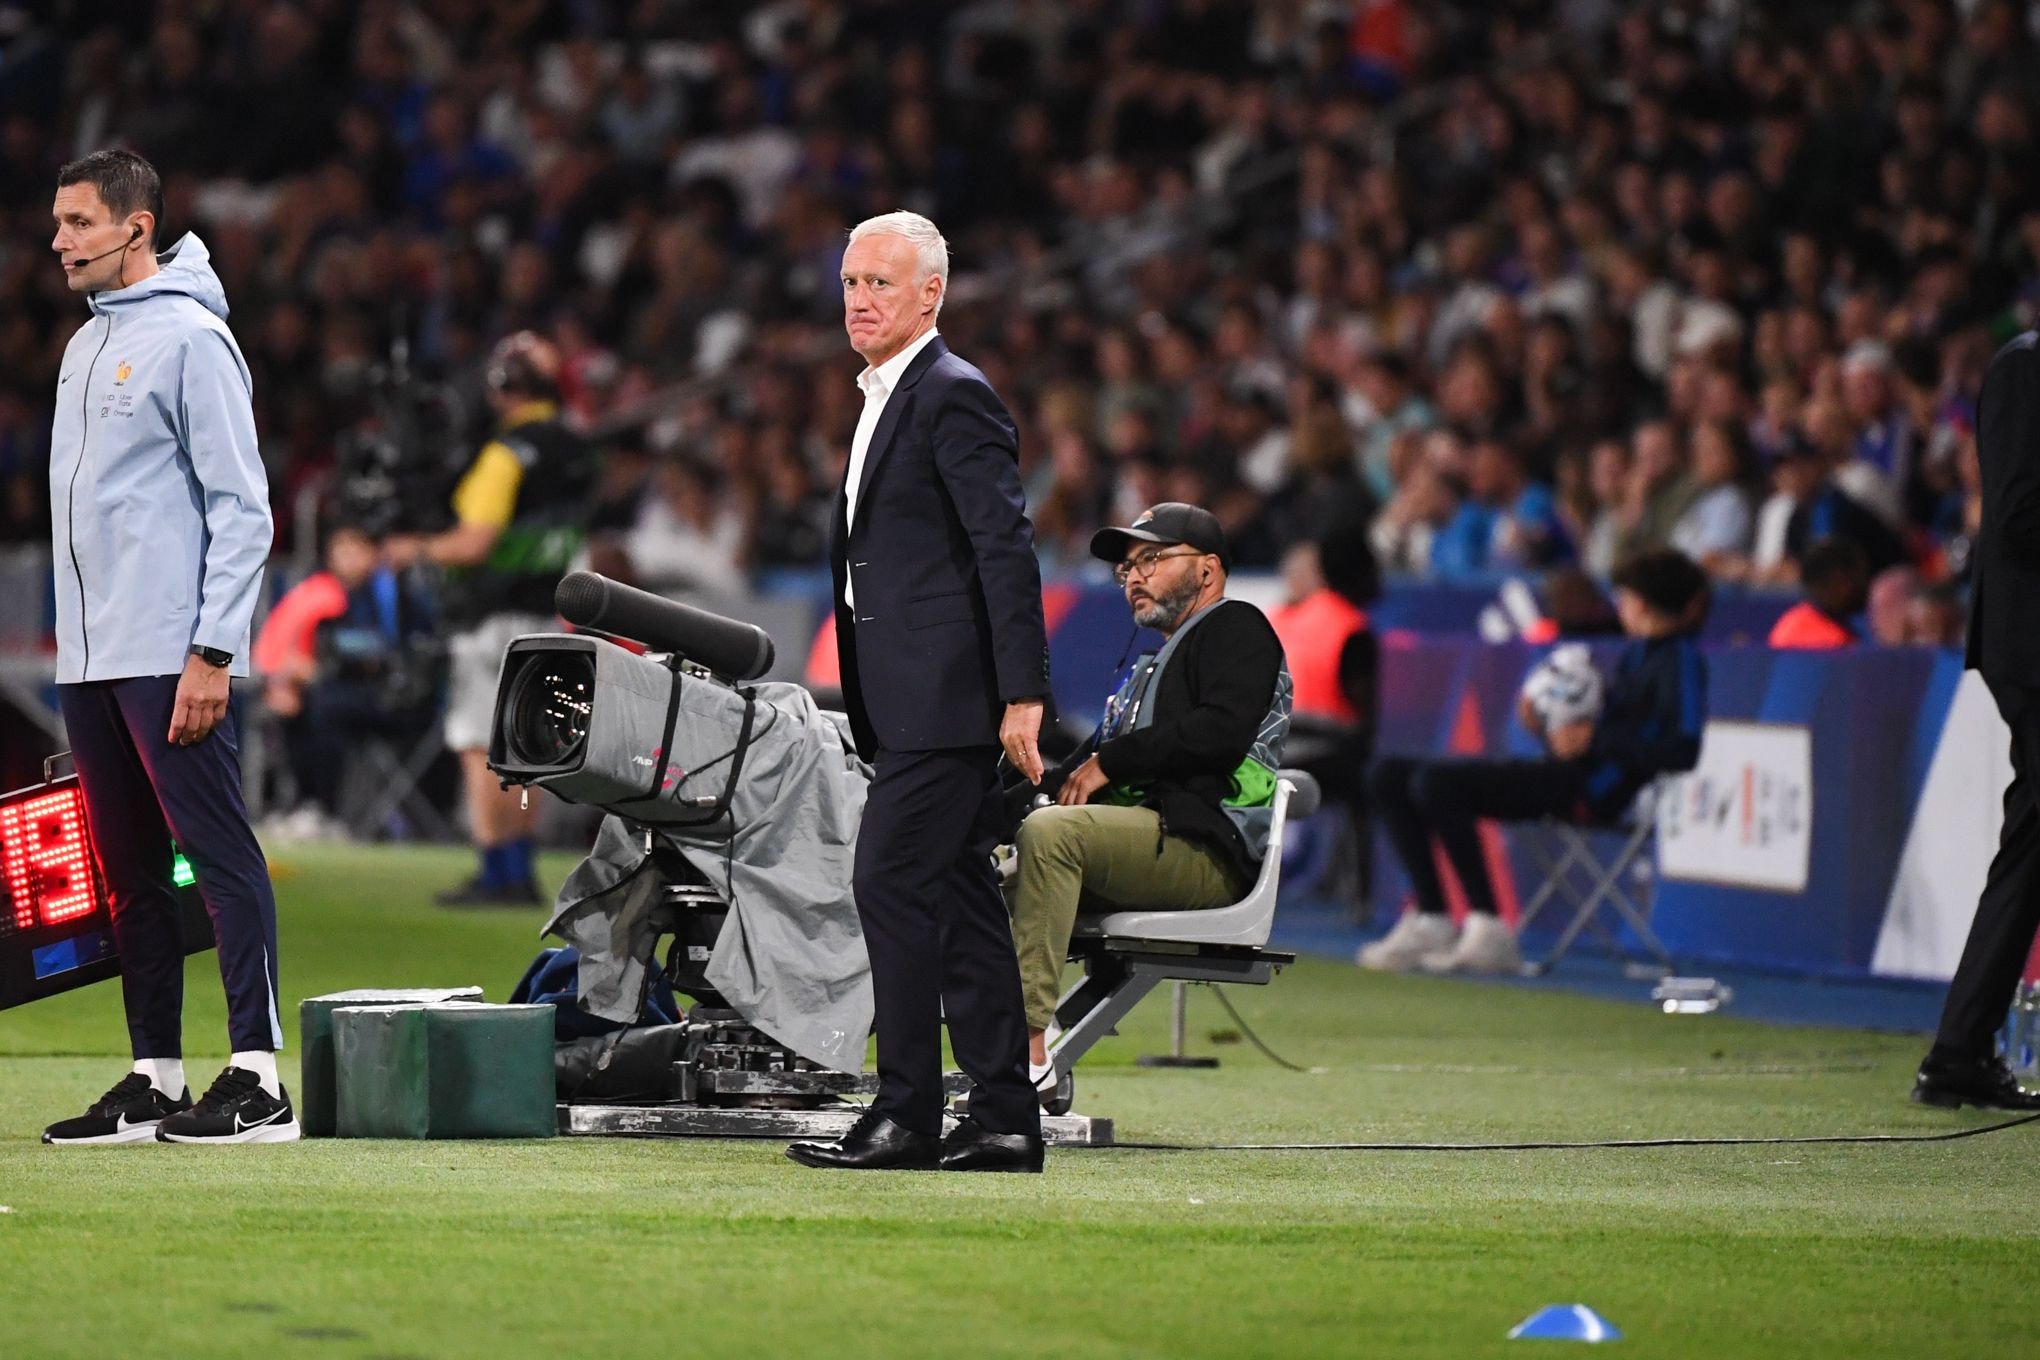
(263, 1065)
(165, 1074)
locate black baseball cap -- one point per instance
(1169, 522)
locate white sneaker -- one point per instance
(1485, 945)
(1043, 1074)
(1416, 935)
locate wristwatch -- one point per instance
(213, 656)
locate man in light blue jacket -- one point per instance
(161, 527)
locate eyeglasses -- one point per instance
(1143, 564)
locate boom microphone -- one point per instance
(729, 647)
(133, 237)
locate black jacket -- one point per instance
(1651, 722)
(2004, 614)
(1208, 710)
(949, 627)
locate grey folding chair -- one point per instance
(1573, 871)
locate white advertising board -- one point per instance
(1744, 816)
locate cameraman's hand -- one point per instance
(1571, 741)
(1084, 781)
(201, 701)
(402, 551)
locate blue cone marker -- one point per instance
(1565, 1322)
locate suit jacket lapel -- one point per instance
(889, 420)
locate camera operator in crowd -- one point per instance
(347, 652)
(521, 512)
(1169, 803)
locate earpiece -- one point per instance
(136, 234)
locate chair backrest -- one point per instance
(1245, 923)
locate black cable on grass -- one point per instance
(1555, 1146)
(1252, 1037)
(1540, 1146)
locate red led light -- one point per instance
(47, 858)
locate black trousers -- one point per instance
(2008, 910)
(141, 792)
(940, 942)
(1419, 799)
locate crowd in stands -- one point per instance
(1505, 286)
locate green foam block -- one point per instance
(314, 1093)
(452, 1070)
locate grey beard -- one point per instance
(1168, 611)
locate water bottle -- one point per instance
(1691, 995)
(2021, 1035)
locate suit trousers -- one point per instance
(2008, 910)
(940, 944)
(141, 793)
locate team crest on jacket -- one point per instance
(123, 373)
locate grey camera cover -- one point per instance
(790, 956)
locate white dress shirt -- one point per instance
(877, 384)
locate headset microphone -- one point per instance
(133, 237)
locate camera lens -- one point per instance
(549, 709)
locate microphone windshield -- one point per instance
(729, 647)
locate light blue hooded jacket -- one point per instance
(158, 499)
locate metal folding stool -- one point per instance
(394, 773)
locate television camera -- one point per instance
(395, 472)
(732, 810)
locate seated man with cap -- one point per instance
(1168, 804)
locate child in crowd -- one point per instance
(1650, 725)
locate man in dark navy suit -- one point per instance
(1963, 1066)
(945, 661)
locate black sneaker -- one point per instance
(129, 1113)
(235, 1110)
(476, 893)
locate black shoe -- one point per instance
(971, 1146)
(235, 1110)
(129, 1113)
(874, 1143)
(476, 893)
(1985, 1083)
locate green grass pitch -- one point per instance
(622, 1248)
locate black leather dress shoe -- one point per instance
(971, 1146)
(874, 1143)
(1985, 1083)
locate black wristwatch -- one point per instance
(213, 656)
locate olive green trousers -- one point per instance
(1095, 859)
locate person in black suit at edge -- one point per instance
(1962, 1067)
(945, 660)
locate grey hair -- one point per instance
(930, 250)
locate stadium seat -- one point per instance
(1575, 862)
(1126, 954)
